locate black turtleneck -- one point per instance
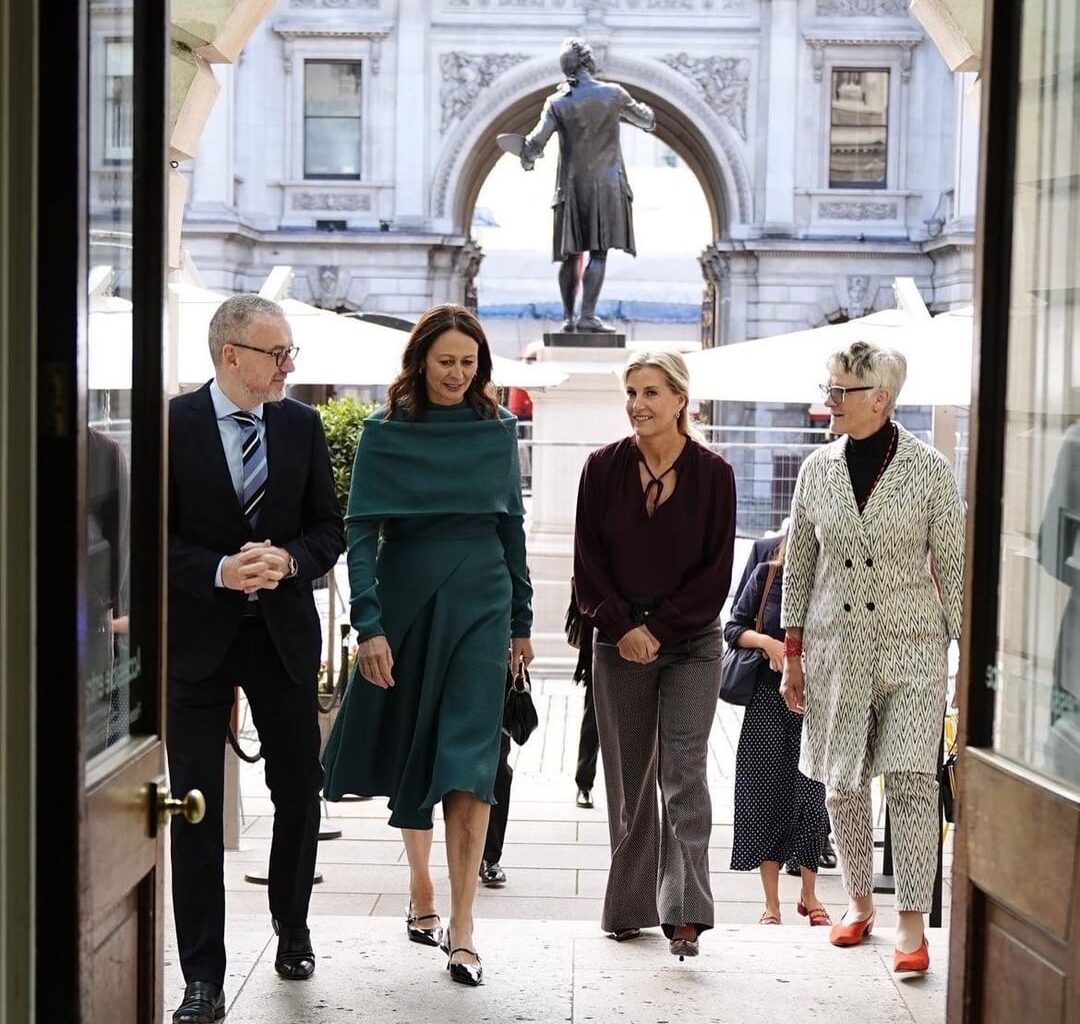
(867, 459)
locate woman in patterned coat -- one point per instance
(874, 590)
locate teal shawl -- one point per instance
(448, 463)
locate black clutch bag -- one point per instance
(519, 712)
(575, 622)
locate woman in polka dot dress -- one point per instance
(780, 814)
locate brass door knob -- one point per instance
(192, 806)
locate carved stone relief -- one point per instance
(467, 263)
(367, 5)
(724, 81)
(328, 286)
(858, 287)
(465, 76)
(715, 265)
(857, 211)
(614, 6)
(346, 201)
(865, 8)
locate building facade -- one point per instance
(834, 147)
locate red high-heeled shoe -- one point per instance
(819, 916)
(919, 960)
(851, 934)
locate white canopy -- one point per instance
(334, 349)
(789, 367)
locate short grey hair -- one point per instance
(232, 318)
(882, 367)
(575, 54)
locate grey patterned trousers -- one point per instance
(654, 722)
(914, 815)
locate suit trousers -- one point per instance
(915, 815)
(588, 744)
(654, 722)
(496, 832)
(286, 716)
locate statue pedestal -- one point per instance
(584, 339)
(570, 421)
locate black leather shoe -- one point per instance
(584, 799)
(204, 1003)
(626, 935)
(295, 960)
(463, 974)
(492, 875)
(828, 854)
(426, 936)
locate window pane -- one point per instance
(332, 89)
(112, 685)
(1037, 704)
(332, 147)
(858, 134)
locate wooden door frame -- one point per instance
(61, 896)
(1000, 78)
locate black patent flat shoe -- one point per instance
(295, 959)
(463, 974)
(425, 936)
(625, 935)
(584, 799)
(203, 1003)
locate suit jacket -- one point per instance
(860, 587)
(761, 551)
(300, 513)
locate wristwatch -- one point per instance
(293, 569)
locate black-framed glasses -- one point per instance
(836, 394)
(280, 355)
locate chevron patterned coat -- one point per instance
(861, 588)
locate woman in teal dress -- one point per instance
(440, 599)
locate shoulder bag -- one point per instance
(739, 673)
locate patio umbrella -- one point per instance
(789, 367)
(335, 350)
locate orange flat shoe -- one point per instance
(819, 916)
(917, 961)
(851, 934)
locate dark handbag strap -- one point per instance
(759, 620)
(522, 683)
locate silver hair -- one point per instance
(883, 367)
(575, 54)
(233, 316)
(673, 367)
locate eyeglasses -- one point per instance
(836, 394)
(280, 355)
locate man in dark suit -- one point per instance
(253, 519)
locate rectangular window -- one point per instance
(332, 119)
(859, 128)
(119, 100)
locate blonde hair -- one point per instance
(673, 367)
(883, 367)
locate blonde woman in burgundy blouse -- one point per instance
(652, 567)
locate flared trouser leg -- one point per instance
(688, 693)
(626, 698)
(914, 815)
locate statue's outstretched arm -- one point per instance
(638, 114)
(536, 140)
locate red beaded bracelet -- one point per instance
(792, 648)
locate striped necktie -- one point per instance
(255, 469)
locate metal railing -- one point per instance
(765, 460)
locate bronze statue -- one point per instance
(593, 201)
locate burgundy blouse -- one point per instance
(679, 560)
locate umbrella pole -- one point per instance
(943, 431)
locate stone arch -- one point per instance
(683, 120)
